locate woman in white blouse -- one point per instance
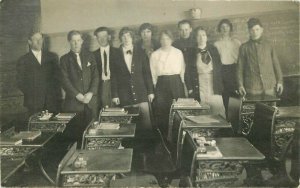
(167, 68)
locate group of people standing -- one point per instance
(148, 72)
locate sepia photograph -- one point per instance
(149, 93)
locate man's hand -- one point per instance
(87, 97)
(279, 89)
(80, 97)
(190, 91)
(242, 91)
(151, 97)
(116, 101)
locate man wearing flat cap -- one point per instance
(258, 68)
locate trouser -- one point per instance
(105, 94)
(74, 130)
(229, 83)
(168, 88)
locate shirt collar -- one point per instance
(125, 49)
(36, 52)
(106, 49)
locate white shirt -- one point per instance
(78, 60)
(167, 63)
(38, 55)
(228, 50)
(106, 49)
(128, 57)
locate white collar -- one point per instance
(36, 52)
(106, 49)
(125, 49)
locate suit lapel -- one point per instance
(43, 59)
(83, 61)
(73, 60)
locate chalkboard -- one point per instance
(280, 27)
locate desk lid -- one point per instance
(209, 121)
(125, 130)
(260, 98)
(289, 112)
(101, 161)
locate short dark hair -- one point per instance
(184, 22)
(72, 33)
(125, 30)
(166, 32)
(253, 22)
(145, 26)
(199, 28)
(100, 29)
(225, 21)
(33, 32)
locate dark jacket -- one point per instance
(154, 43)
(132, 87)
(113, 57)
(75, 81)
(258, 67)
(39, 82)
(191, 74)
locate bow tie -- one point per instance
(205, 57)
(129, 52)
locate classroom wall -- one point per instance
(17, 18)
(65, 15)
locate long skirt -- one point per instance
(168, 88)
(207, 94)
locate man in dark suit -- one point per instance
(132, 81)
(80, 79)
(105, 55)
(37, 77)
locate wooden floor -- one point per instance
(141, 174)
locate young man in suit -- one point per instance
(186, 40)
(37, 77)
(105, 56)
(80, 80)
(131, 80)
(258, 68)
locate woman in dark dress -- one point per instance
(147, 43)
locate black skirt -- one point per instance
(168, 88)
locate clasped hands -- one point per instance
(86, 98)
(116, 101)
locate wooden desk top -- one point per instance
(288, 112)
(35, 119)
(10, 166)
(101, 161)
(221, 124)
(234, 148)
(201, 107)
(260, 98)
(38, 142)
(125, 130)
(131, 111)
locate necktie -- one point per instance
(105, 62)
(78, 60)
(129, 52)
(205, 57)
